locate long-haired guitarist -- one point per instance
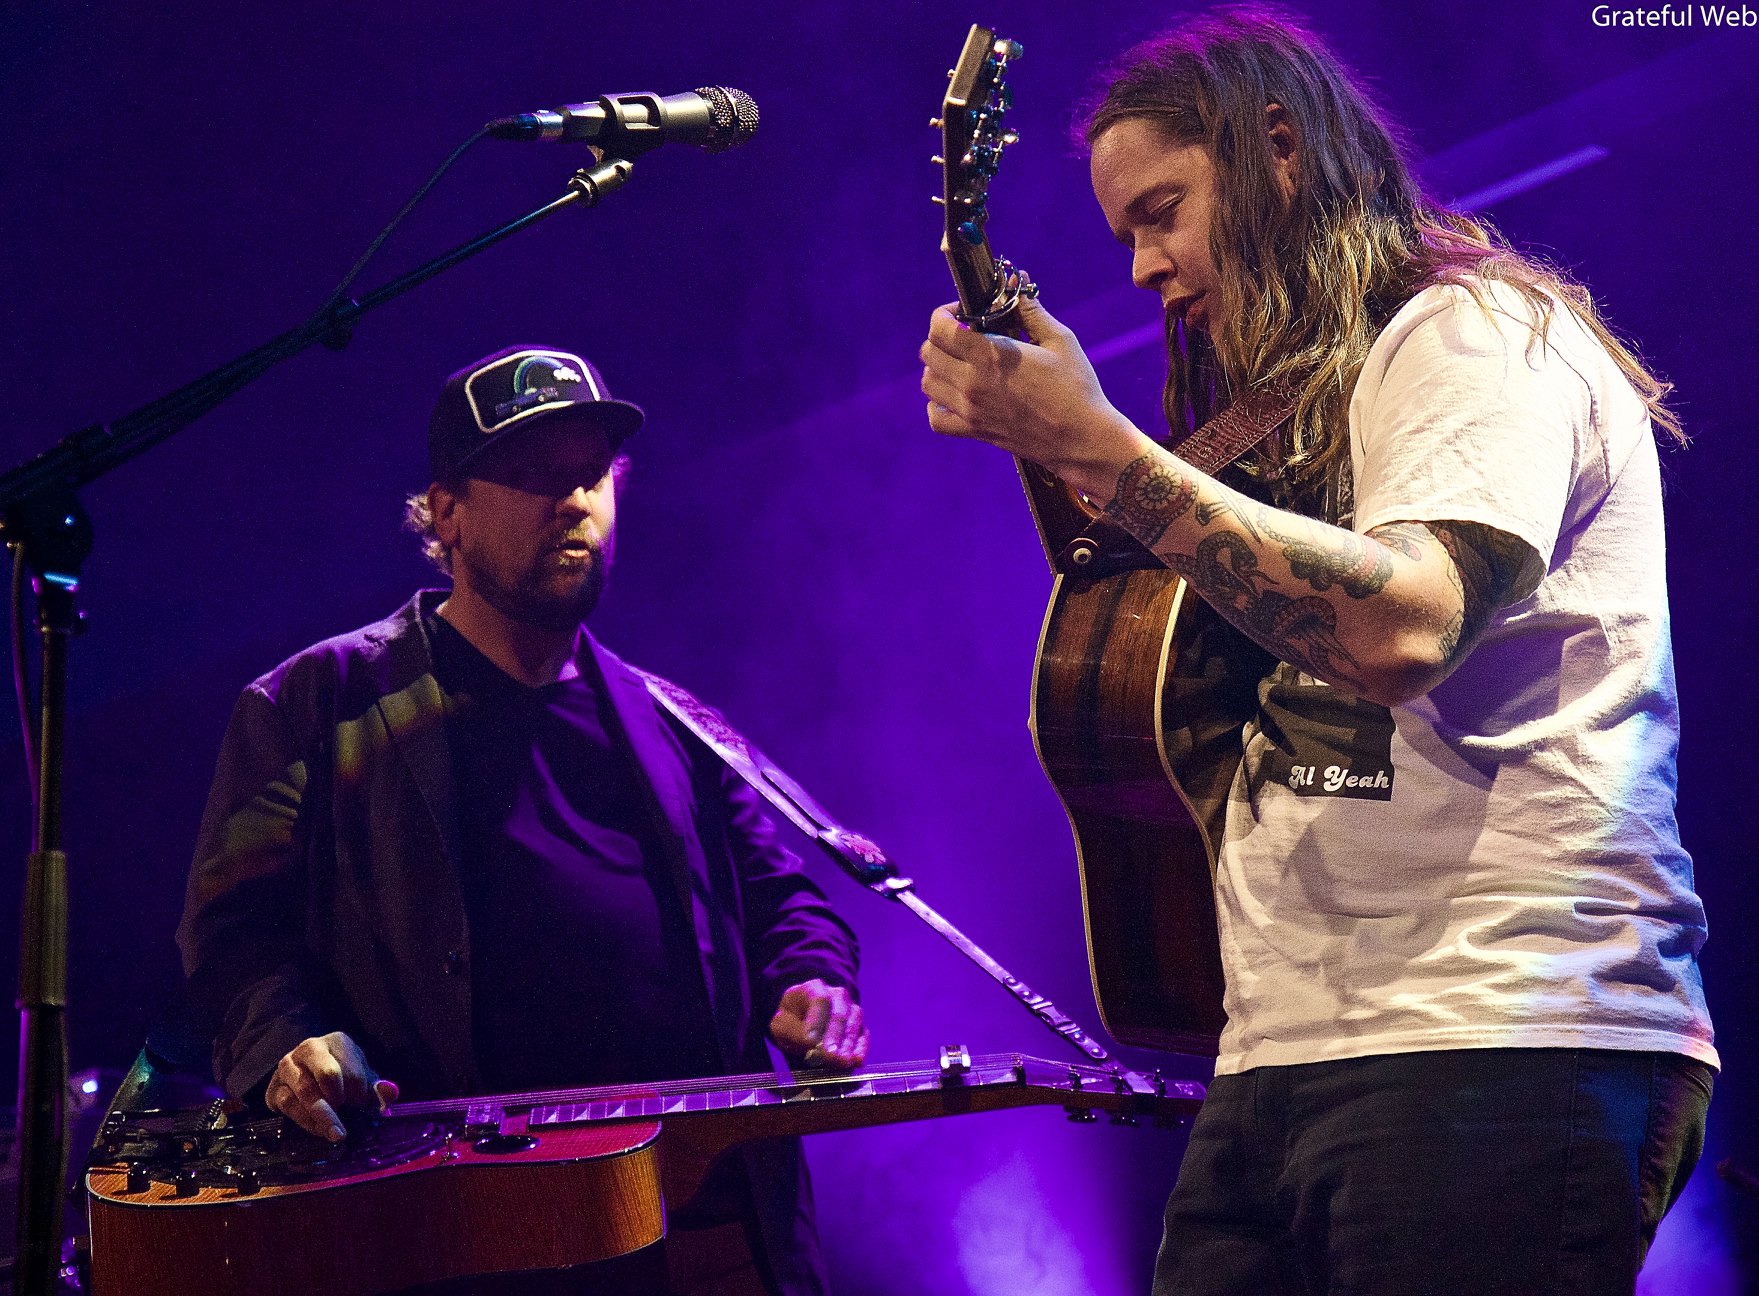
(1466, 1046)
(464, 850)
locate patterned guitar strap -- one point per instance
(1243, 425)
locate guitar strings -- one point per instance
(675, 1088)
(924, 1069)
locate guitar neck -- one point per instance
(762, 1106)
(974, 135)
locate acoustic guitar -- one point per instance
(1140, 690)
(215, 1202)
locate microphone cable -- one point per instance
(336, 294)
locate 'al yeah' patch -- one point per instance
(1324, 743)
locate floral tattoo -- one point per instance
(1150, 498)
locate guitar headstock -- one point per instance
(974, 132)
(1129, 1096)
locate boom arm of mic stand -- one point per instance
(89, 453)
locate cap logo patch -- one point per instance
(523, 373)
(509, 388)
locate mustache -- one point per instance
(591, 540)
(600, 546)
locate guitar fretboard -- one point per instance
(1044, 1081)
(655, 1106)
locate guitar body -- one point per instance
(1139, 696)
(209, 1202)
(580, 1195)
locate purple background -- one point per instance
(182, 182)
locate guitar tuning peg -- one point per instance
(950, 72)
(934, 123)
(938, 160)
(937, 200)
(1010, 137)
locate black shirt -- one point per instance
(583, 968)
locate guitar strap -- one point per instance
(856, 855)
(1246, 423)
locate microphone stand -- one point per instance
(42, 521)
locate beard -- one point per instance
(554, 592)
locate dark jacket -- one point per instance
(325, 893)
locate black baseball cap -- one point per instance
(516, 395)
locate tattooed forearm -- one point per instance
(1486, 563)
(1302, 631)
(1385, 615)
(1150, 497)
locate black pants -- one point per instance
(1528, 1172)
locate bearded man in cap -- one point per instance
(464, 850)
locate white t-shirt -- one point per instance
(1496, 863)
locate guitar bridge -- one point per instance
(482, 1120)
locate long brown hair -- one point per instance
(1308, 283)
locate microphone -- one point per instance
(712, 118)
